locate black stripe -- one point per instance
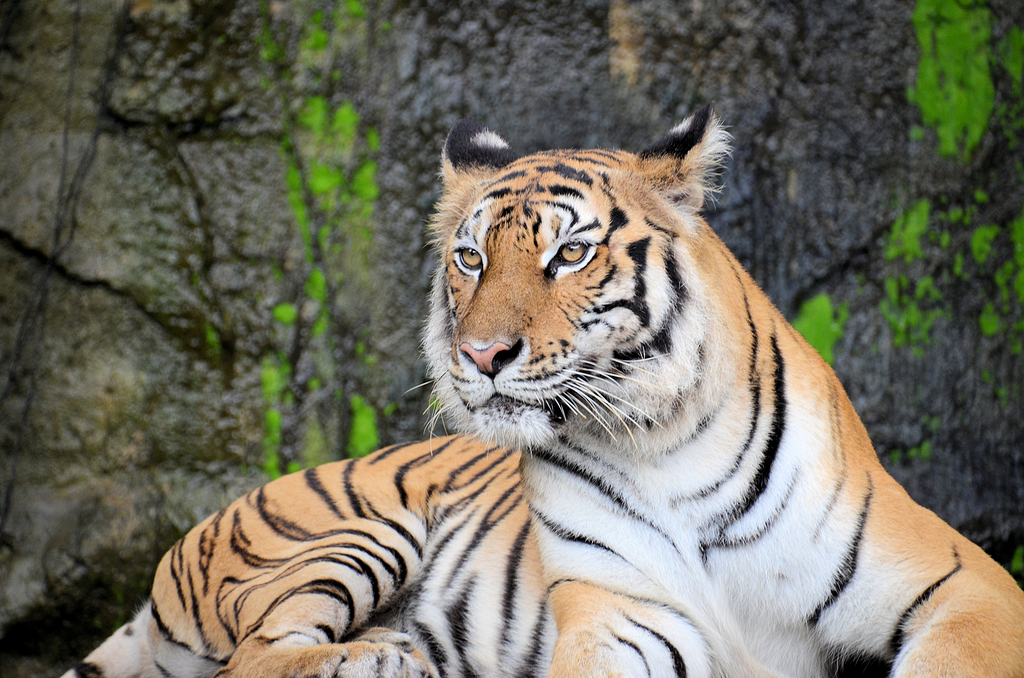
(438, 656)
(862, 666)
(508, 176)
(458, 625)
(602, 486)
(327, 631)
(755, 409)
(312, 478)
(896, 642)
(660, 229)
(637, 251)
(592, 226)
(381, 455)
(677, 660)
(561, 189)
(449, 484)
(748, 539)
(196, 616)
(167, 635)
(849, 564)
(280, 525)
(531, 665)
(350, 492)
(635, 648)
(206, 547)
(177, 564)
(515, 557)
(487, 523)
(566, 172)
(397, 527)
(240, 546)
(498, 193)
(617, 219)
(674, 279)
(88, 670)
(404, 469)
(764, 469)
(566, 534)
(583, 474)
(329, 588)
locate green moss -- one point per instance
(364, 182)
(981, 242)
(989, 321)
(958, 266)
(1017, 564)
(274, 376)
(954, 88)
(286, 314)
(1002, 280)
(905, 236)
(1017, 238)
(316, 448)
(363, 437)
(317, 38)
(316, 286)
(272, 442)
(213, 340)
(910, 315)
(324, 179)
(321, 324)
(314, 116)
(345, 122)
(821, 324)
(922, 451)
(355, 9)
(297, 202)
(1011, 52)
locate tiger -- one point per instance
(655, 475)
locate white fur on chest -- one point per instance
(645, 530)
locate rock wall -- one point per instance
(213, 257)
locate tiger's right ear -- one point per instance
(472, 148)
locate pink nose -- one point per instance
(484, 359)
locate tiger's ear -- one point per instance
(684, 164)
(472, 148)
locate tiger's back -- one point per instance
(429, 539)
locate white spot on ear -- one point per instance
(682, 128)
(488, 139)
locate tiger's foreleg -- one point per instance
(374, 653)
(604, 634)
(965, 624)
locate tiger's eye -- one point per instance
(470, 258)
(572, 252)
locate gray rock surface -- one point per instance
(192, 292)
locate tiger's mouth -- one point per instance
(509, 408)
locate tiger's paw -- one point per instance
(382, 653)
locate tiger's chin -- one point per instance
(513, 423)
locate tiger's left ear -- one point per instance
(473, 149)
(684, 164)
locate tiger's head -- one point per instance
(569, 299)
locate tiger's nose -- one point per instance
(492, 359)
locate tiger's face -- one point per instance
(564, 303)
